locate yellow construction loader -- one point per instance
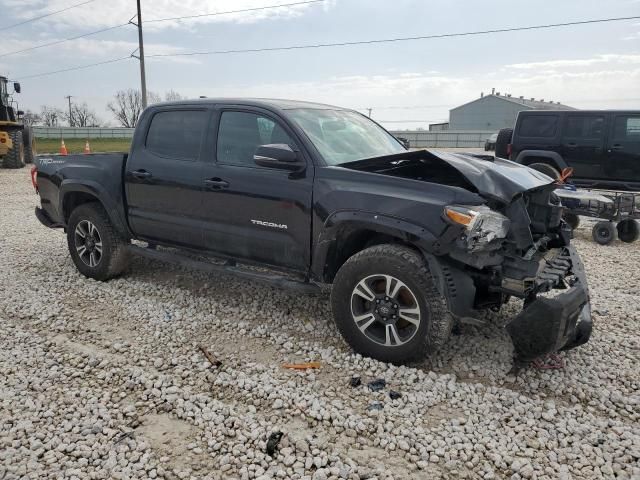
(17, 143)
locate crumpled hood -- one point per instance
(499, 178)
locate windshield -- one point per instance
(342, 136)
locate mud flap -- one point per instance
(551, 324)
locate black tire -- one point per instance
(113, 256)
(29, 142)
(547, 169)
(15, 157)
(628, 230)
(505, 136)
(572, 220)
(407, 267)
(604, 233)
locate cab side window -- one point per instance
(627, 128)
(241, 133)
(584, 126)
(540, 126)
(177, 133)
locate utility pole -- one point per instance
(140, 57)
(369, 110)
(68, 97)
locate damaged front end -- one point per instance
(523, 249)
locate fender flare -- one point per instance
(100, 193)
(553, 156)
(355, 220)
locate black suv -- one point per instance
(602, 147)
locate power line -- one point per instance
(95, 32)
(397, 39)
(57, 42)
(254, 9)
(46, 15)
(80, 67)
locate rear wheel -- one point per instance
(628, 230)
(15, 157)
(29, 144)
(547, 169)
(386, 305)
(502, 142)
(95, 247)
(604, 233)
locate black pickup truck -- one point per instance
(411, 241)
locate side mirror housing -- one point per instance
(277, 155)
(16, 87)
(405, 143)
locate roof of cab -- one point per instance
(274, 103)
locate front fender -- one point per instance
(341, 223)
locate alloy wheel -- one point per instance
(88, 243)
(385, 310)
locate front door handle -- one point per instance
(141, 174)
(216, 183)
(572, 145)
(617, 146)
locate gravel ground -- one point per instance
(106, 380)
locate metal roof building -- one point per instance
(495, 111)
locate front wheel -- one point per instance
(95, 246)
(386, 305)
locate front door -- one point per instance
(255, 213)
(163, 178)
(623, 149)
(583, 144)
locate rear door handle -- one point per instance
(141, 174)
(216, 183)
(572, 145)
(617, 146)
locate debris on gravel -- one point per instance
(105, 380)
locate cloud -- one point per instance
(573, 63)
(100, 13)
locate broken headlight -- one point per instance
(481, 224)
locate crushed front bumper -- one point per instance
(548, 325)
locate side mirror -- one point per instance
(277, 155)
(20, 113)
(16, 87)
(405, 143)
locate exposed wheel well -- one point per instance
(528, 160)
(351, 241)
(73, 200)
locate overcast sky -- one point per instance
(591, 66)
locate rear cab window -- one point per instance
(177, 133)
(538, 126)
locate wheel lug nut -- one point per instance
(378, 300)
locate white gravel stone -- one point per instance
(106, 380)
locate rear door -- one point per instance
(163, 178)
(583, 136)
(255, 213)
(623, 148)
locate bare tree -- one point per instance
(50, 116)
(82, 116)
(126, 107)
(172, 95)
(153, 97)
(31, 118)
